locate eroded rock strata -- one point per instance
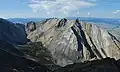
(72, 41)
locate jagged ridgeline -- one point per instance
(73, 41)
(57, 45)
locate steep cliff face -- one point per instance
(72, 41)
(13, 33)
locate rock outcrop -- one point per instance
(72, 41)
(12, 33)
(31, 26)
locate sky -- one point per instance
(59, 8)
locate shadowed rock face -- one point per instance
(12, 60)
(37, 52)
(13, 33)
(104, 65)
(31, 26)
(10, 48)
(72, 41)
(62, 22)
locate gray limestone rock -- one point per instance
(73, 41)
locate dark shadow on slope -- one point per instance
(95, 49)
(12, 61)
(113, 39)
(82, 39)
(79, 40)
(62, 22)
(104, 65)
(12, 33)
(37, 51)
(10, 48)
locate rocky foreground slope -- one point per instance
(72, 41)
(13, 60)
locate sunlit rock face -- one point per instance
(72, 41)
(12, 33)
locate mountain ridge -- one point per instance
(58, 45)
(86, 41)
(11, 32)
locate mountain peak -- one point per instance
(71, 41)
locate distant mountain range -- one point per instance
(86, 19)
(24, 20)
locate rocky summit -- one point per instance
(73, 41)
(57, 45)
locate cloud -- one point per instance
(59, 8)
(116, 12)
(93, 0)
